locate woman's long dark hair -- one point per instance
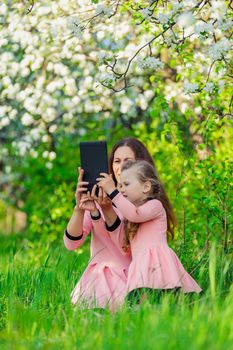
(138, 148)
(146, 172)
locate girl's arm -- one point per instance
(148, 211)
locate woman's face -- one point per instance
(121, 154)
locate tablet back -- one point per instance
(94, 160)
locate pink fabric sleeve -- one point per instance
(99, 224)
(87, 226)
(146, 212)
(118, 237)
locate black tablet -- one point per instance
(94, 160)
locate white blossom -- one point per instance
(198, 109)
(203, 28)
(49, 115)
(185, 20)
(176, 7)
(36, 134)
(189, 3)
(70, 87)
(209, 87)
(3, 111)
(163, 18)
(101, 9)
(3, 9)
(27, 119)
(146, 12)
(52, 155)
(219, 8)
(48, 78)
(183, 107)
(217, 50)
(4, 122)
(103, 55)
(225, 23)
(150, 62)
(126, 104)
(52, 128)
(108, 78)
(221, 85)
(142, 102)
(58, 27)
(73, 24)
(23, 147)
(45, 154)
(49, 165)
(190, 87)
(82, 131)
(12, 114)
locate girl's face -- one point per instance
(121, 154)
(133, 189)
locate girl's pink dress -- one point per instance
(154, 264)
(103, 283)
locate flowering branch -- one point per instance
(171, 22)
(32, 3)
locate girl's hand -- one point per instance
(106, 183)
(102, 198)
(87, 203)
(80, 189)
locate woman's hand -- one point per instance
(80, 189)
(88, 203)
(106, 183)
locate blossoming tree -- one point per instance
(74, 69)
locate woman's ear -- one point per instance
(146, 187)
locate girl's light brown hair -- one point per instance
(146, 172)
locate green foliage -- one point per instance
(36, 281)
(196, 168)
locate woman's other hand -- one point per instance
(88, 203)
(81, 188)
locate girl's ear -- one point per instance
(146, 187)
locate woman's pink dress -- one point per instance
(103, 283)
(154, 264)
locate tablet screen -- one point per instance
(94, 160)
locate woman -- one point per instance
(103, 283)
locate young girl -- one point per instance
(148, 213)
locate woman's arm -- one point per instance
(75, 224)
(74, 236)
(77, 227)
(105, 205)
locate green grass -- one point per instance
(35, 311)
